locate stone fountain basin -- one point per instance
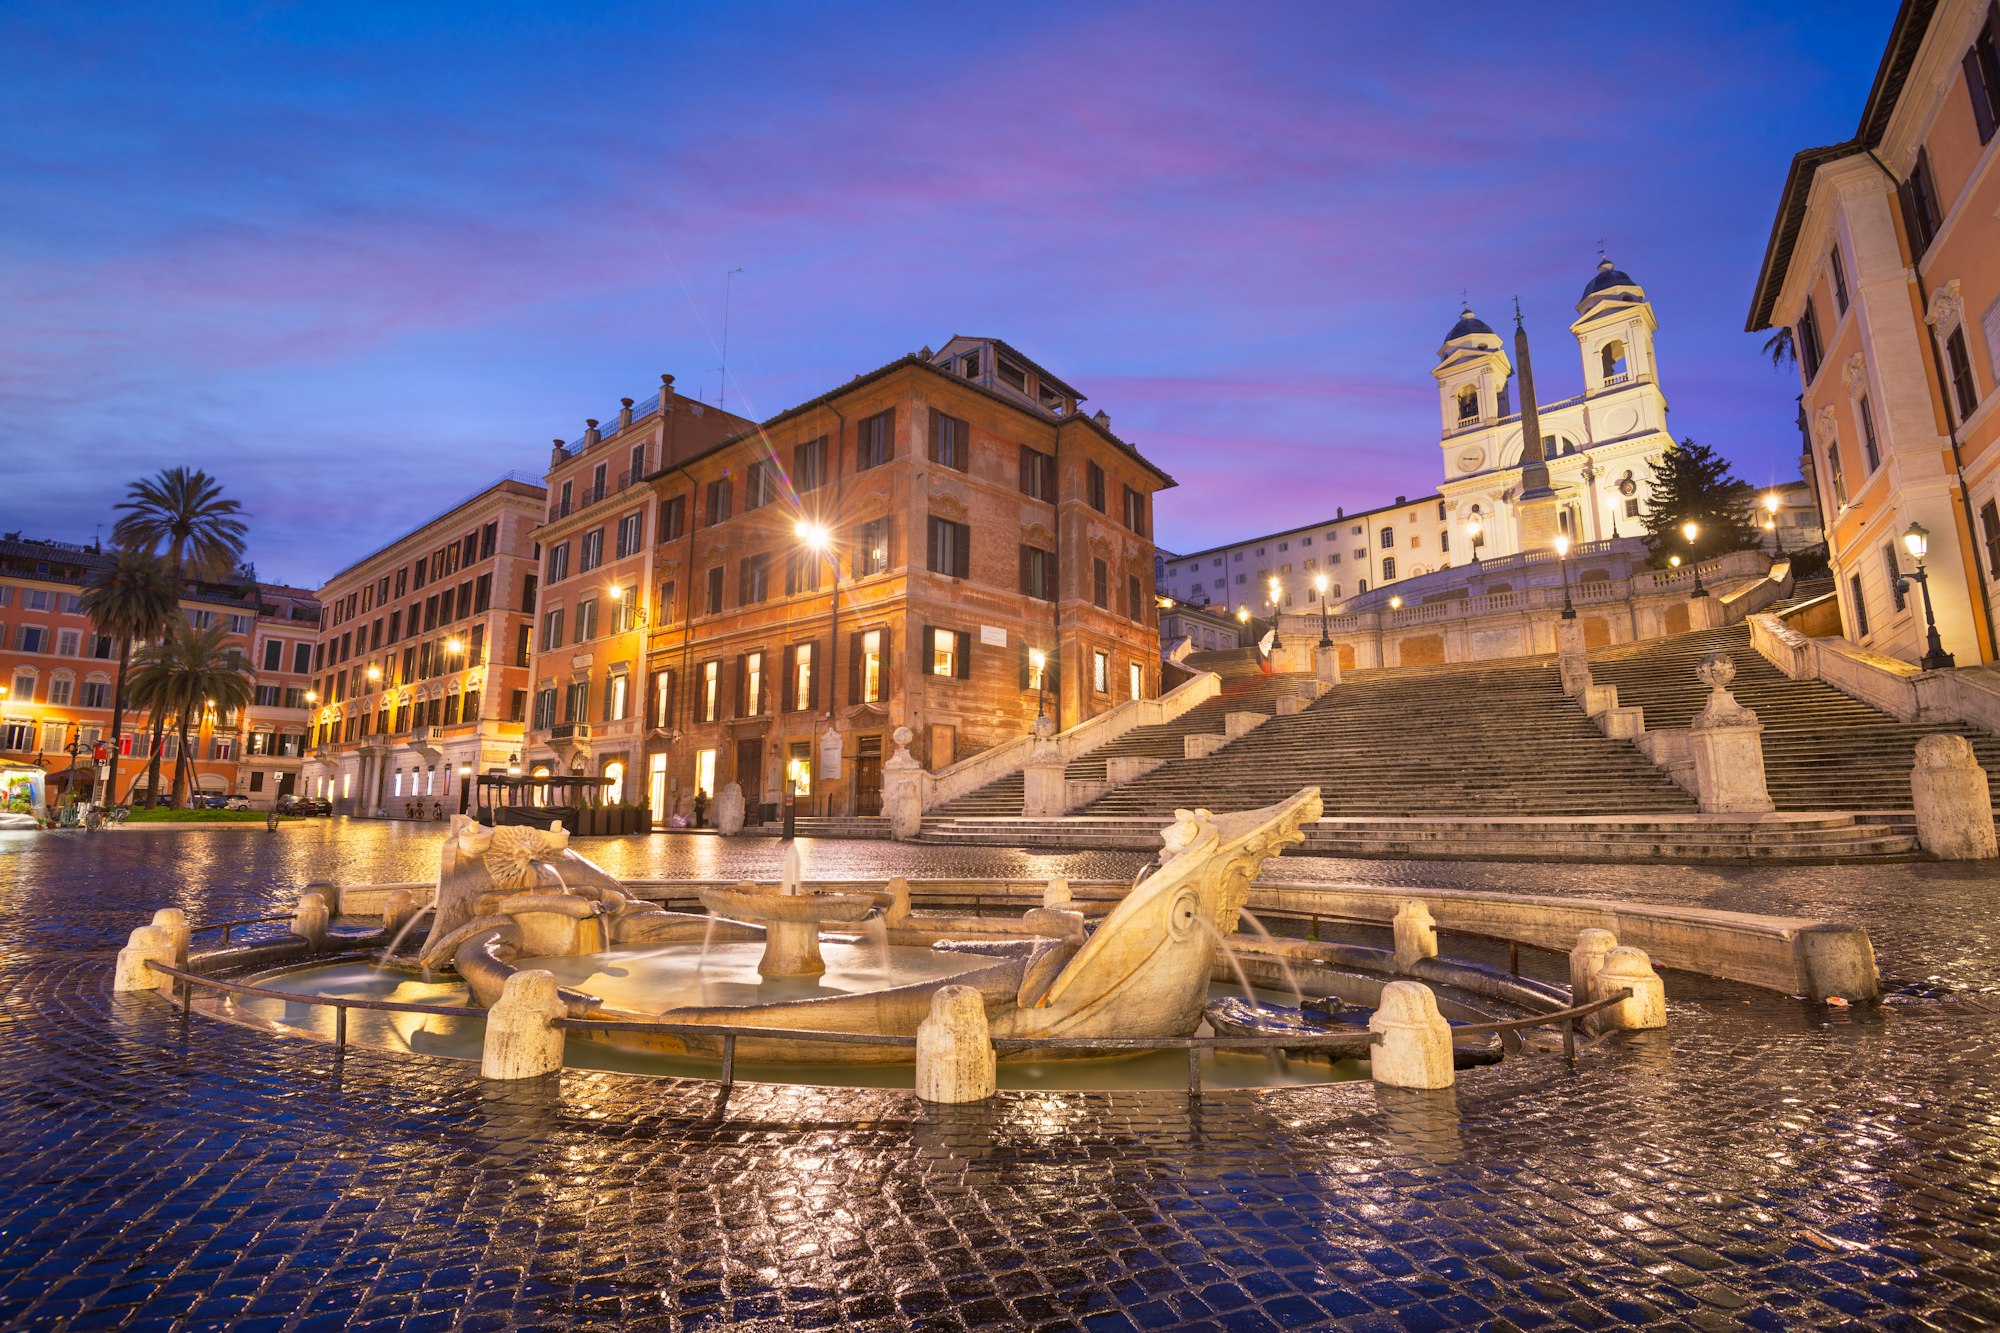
(747, 902)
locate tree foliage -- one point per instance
(132, 600)
(183, 516)
(1692, 482)
(183, 674)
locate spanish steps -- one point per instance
(1823, 750)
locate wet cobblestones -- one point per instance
(1756, 1165)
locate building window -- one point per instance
(1920, 206)
(1100, 585)
(592, 553)
(711, 691)
(802, 572)
(750, 686)
(1033, 676)
(1838, 272)
(870, 666)
(1135, 510)
(663, 699)
(97, 693)
(1038, 474)
(753, 579)
(1871, 452)
(1611, 360)
(804, 695)
(950, 652)
(629, 532)
(871, 553)
(809, 465)
(1859, 605)
(1444, 541)
(1038, 573)
(1094, 476)
(715, 591)
(704, 774)
(1138, 680)
(59, 689)
(274, 655)
(673, 518)
(1960, 366)
(1989, 529)
(1896, 595)
(1100, 671)
(1135, 599)
(552, 627)
(875, 440)
(1982, 78)
(1388, 539)
(1468, 404)
(1810, 353)
(1834, 479)
(1388, 567)
(558, 563)
(950, 445)
(717, 501)
(586, 620)
(545, 709)
(758, 487)
(950, 549)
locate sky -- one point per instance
(358, 260)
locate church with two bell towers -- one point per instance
(1588, 478)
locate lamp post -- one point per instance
(465, 789)
(1474, 527)
(1771, 522)
(1276, 590)
(1917, 541)
(1040, 662)
(1691, 530)
(1562, 563)
(818, 539)
(1319, 586)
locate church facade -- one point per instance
(1599, 446)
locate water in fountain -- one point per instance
(1277, 1056)
(1284, 963)
(403, 934)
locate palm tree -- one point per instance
(1779, 347)
(182, 516)
(187, 672)
(132, 600)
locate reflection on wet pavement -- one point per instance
(1756, 1164)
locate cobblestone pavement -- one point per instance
(1756, 1165)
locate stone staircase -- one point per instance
(1473, 740)
(1245, 689)
(1823, 750)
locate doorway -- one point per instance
(750, 777)
(868, 775)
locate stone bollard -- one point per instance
(1057, 894)
(1045, 785)
(521, 1038)
(309, 920)
(399, 907)
(1727, 744)
(1954, 803)
(1416, 935)
(1413, 1049)
(1572, 657)
(1326, 665)
(1626, 967)
(955, 1060)
(148, 945)
(174, 922)
(1585, 959)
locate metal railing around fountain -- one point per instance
(226, 926)
(186, 982)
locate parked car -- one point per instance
(236, 802)
(303, 805)
(206, 800)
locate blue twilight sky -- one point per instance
(358, 259)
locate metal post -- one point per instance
(728, 1060)
(340, 1029)
(1935, 657)
(1194, 1070)
(1569, 1038)
(1514, 957)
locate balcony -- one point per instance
(569, 731)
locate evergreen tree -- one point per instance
(1693, 482)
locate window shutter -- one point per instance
(1982, 96)
(818, 670)
(965, 654)
(787, 680)
(937, 425)
(1027, 588)
(889, 436)
(854, 668)
(925, 662)
(888, 681)
(736, 703)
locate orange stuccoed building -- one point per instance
(945, 544)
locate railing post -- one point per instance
(729, 1061)
(1194, 1070)
(340, 1029)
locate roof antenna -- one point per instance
(721, 388)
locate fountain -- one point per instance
(790, 917)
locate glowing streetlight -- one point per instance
(813, 534)
(1771, 503)
(1474, 527)
(1319, 586)
(1917, 541)
(1039, 661)
(1277, 592)
(1396, 602)
(374, 672)
(1562, 563)
(1691, 530)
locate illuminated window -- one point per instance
(869, 665)
(802, 676)
(616, 697)
(614, 789)
(798, 768)
(753, 684)
(704, 773)
(1138, 675)
(711, 677)
(944, 653)
(1100, 671)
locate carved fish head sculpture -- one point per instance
(1145, 970)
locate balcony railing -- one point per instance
(569, 731)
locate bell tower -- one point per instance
(1471, 373)
(1614, 329)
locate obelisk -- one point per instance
(1535, 504)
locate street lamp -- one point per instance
(1771, 521)
(1474, 527)
(1319, 586)
(1039, 661)
(1691, 530)
(1917, 541)
(374, 672)
(514, 765)
(818, 538)
(1396, 602)
(1276, 591)
(1562, 563)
